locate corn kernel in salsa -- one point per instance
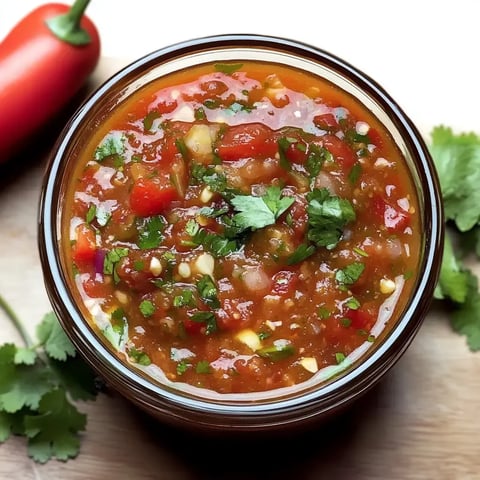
(241, 228)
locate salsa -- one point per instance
(241, 227)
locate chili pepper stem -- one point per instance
(16, 322)
(67, 28)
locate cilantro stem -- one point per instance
(16, 322)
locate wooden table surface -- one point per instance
(421, 422)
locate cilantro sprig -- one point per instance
(39, 385)
(258, 212)
(457, 160)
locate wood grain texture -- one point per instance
(421, 422)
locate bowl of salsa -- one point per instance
(240, 231)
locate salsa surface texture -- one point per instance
(241, 227)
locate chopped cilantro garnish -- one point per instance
(283, 145)
(353, 303)
(112, 144)
(182, 148)
(147, 308)
(258, 212)
(101, 215)
(217, 182)
(354, 173)
(111, 260)
(228, 68)
(208, 291)
(148, 120)
(216, 244)
(264, 335)
(203, 366)
(199, 114)
(323, 313)
(302, 252)
(92, 210)
(138, 265)
(345, 322)
(150, 232)
(316, 158)
(339, 357)
(327, 216)
(350, 274)
(139, 357)
(184, 299)
(278, 351)
(208, 318)
(360, 252)
(182, 367)
(212, 212)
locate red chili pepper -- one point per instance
(44, 60)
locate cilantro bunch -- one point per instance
(39, 383)
(457, 159)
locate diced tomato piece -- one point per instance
(166, 105)
(341, 152)
(297, 152)
(361, 319)
(394, 218)
(247, 141)
(375, 138)
(83, 250)
(191, 327)
(299, 216)
(326, 121)
(151, 196)
(284, 282)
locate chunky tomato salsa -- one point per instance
(241, 227)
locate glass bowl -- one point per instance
(310, 401)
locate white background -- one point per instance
(425, 53)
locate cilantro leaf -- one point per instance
(25, 356)
(206, 317)
(350, 274)
(208, 291)
(11, 423)
(302, 252)
(457, 159)
(53, 431)
(150, 232)
(111, 259)
(112, 144)
(453, 281)
(327, 216)
(53, 338)
(24, 386)
(465, 318)
(259, 212)
(37, 384)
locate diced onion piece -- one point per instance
(155, 266)
(362, 128)
(199, 140)
(206, 195)
(273, 325)
(122, 297)
(387, 286)
(257, 281)
(310, 364)
(184, 270)
(249, 338)
(205, 264)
